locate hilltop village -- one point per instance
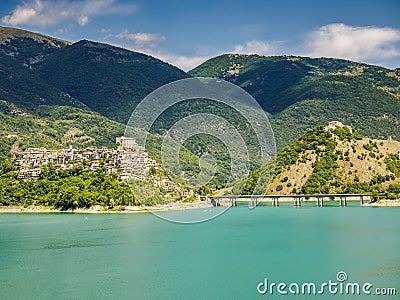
(127, 160)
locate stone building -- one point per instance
(334, 124)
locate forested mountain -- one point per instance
(300, 93)
(20, 51)
(109, 80)
(40, 70)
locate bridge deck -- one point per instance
(291, 196)
(254, 200)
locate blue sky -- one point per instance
(186, 33)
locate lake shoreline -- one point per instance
(384, 203)
(97, 209)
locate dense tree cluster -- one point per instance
(393, 163)
(324, 171)
(311, 140)
(64, 189)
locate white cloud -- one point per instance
(83, 20)
(141, 39)
(46, 12)
(183, 62)
(353, 43)
(147, 43)
(257, 47)
(20, 16)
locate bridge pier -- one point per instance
(253, 202)
(275, 201)
(297, 201)
(320, 201)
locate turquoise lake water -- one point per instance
(140, 256)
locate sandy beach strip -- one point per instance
(384, 203)
(99, 209)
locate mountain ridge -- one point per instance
(106, 79)
(301, 93)
(7, 33)
(108, 75)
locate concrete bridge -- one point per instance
(297, 200)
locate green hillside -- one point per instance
(40, 70)
(301, 93)
(20, 51)
(109, 80)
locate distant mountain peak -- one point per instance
(8, 33)
(28, 48)
(106, 47)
